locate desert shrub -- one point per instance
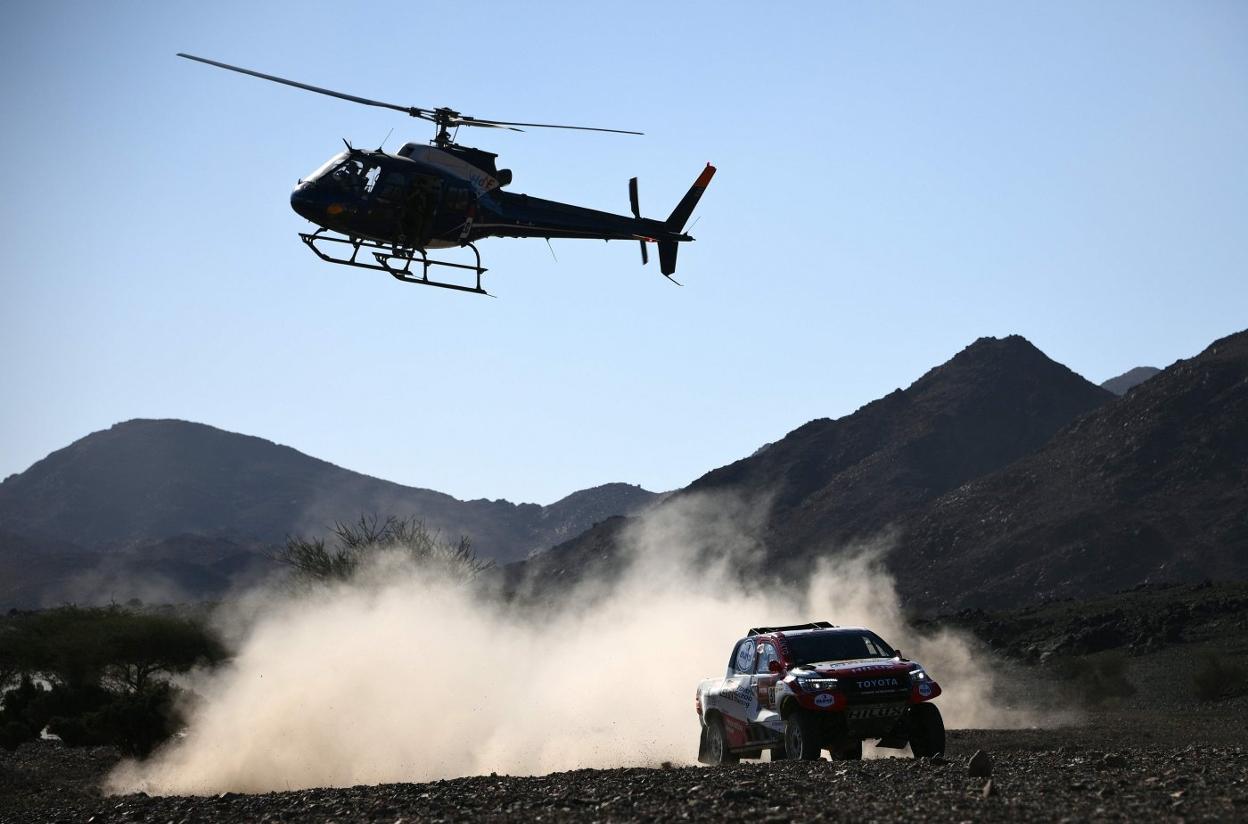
(21, 718)
(134, 722)
(1097, 678)
(369, 537)
(98, 675)
(81, 646)
(1216, 677)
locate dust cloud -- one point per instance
(399, 676)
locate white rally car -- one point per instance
(799, 690)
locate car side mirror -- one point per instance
(773, 666)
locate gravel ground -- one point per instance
(1037, 775)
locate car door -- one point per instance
(737, 701)
(766, 714)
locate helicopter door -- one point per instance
(418, 209)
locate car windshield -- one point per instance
(809, 647)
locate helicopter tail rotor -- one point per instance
(633, 202)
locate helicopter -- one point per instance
(397, 207)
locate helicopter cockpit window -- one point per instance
(324, 167)
(353, 176)
(348, 175)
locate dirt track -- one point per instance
(1074, 773)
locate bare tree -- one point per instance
(355, 542)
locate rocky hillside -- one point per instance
(31, 569)
(146, 481)
(1150, 487)
(835, 481)
(1129, 379)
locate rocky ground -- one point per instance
(1103, 770)
(1158, 733)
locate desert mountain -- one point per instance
(146, 481)
(832, 482)
(1129, 379)
(1150, 487)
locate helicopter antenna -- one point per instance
(384, 139)
(552, 250)
(444, 118)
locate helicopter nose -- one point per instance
(304, 202)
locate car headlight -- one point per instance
(918, 676)
(816, 684)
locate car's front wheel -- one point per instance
(716, 749)
(927, 731)
(801, 739)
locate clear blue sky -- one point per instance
(895, 180)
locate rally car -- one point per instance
(799, 690)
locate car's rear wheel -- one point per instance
(927, 731)
(801, 738)
(717, 743)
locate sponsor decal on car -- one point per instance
(887, 711)
(745, 658)
(742, 693)
(877, 683)
(824, 699)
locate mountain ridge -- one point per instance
(833, 482)
(1121, 384)
(148, 479)
(1152, 487)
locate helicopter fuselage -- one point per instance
(430, 197)
(394, 207)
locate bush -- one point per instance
(369, 537)
(134, 722)
(104, 672)
(1217, 677)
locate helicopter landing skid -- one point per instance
(397, 262)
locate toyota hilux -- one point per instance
(796, 691)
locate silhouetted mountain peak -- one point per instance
(993, 362)
(1130, 379)
(1151, 486)
(833, 481)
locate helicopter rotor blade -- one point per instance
(475, 121)
(445, 118)
(412, 110)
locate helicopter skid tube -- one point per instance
(386, 257)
